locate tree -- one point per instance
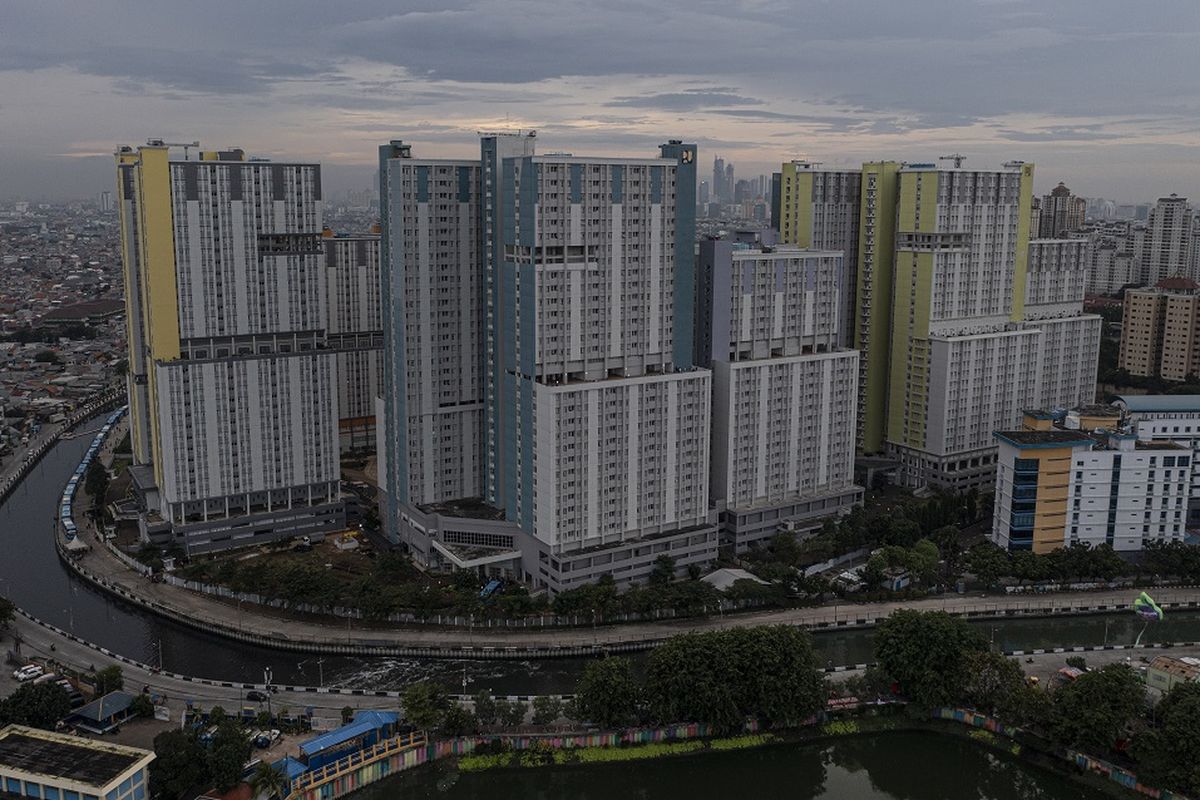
(926, 653)
(1093, 710)
(724, 677)
(47, 357)
(180, 764)
(1168, 754)
(458, 721)
(510, 713)
(267, 782)
(424, 703)
(546, 709)
(95, 481)
(36, 705)
(1078, 662)
(228, 752)
(994, 682)
(987, 562)
(142, 705)
(7, 613)
(922, 561)
(607, 693)
(485, 707)
(109, 679)
(663, 571)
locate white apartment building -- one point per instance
(232, 376)
(785, 395)
(1173, 418)
(433, 381)
(567, 435)
(1119, 490)
(355, 333)
(1167, 242)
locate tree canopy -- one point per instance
(607, 693)
(927, 652)
(1093, 710)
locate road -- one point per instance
(481, 641)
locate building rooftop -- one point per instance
(1177, 283)
(469, 507)
(59, 756)
(364, 722)
(1053, 438)
(1188, 670)
(1150, 403)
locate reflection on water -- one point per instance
(893, 766)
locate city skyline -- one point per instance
(1076, 92)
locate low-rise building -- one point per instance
(1167, 672)
(55, 766)
(1056, 487)
(1168, 417)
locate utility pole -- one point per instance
(267, 684)
(321, 673)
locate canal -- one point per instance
(32, 577)
(871, 767)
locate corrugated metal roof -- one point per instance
(364, 722)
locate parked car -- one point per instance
(256, 696)
(28, 673)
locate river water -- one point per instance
(891, 766)
(32, 576)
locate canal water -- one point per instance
(891, 766)
(32, 577)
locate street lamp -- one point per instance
(267, 686)
(321, 673)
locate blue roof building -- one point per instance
(367, 728)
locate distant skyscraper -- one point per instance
(1060, 213)
(232, 409)
(704, 191)
(105, 201)
(1168, 238)
(718, 180)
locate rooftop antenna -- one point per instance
(957, 158)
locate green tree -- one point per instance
(109, 679)
(510, 713)
(458, 721)
(1092, 711)
(1168, 754)
(47, 357)
(607, 693)
(926, 653)
(872, 573)
(1078, 662)
(267, 782)
(424, 703)
(485, 707)
(227, 754)
(8, 612)
(142, 706)
(922, 561)
(724, 677)
(546, 709)
(994, 682)
(180, 764)
(663, 571)
(988, 562)
(36, 705)
(95, 481)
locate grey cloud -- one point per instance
(689, 100)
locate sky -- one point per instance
(1101, 94)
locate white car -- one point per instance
(28, 673)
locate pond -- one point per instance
(886, 766)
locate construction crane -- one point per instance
(957, 158)
(184, 145)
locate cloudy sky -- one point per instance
(1104, 94)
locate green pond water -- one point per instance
(885, 766)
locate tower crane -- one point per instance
(957, 158)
